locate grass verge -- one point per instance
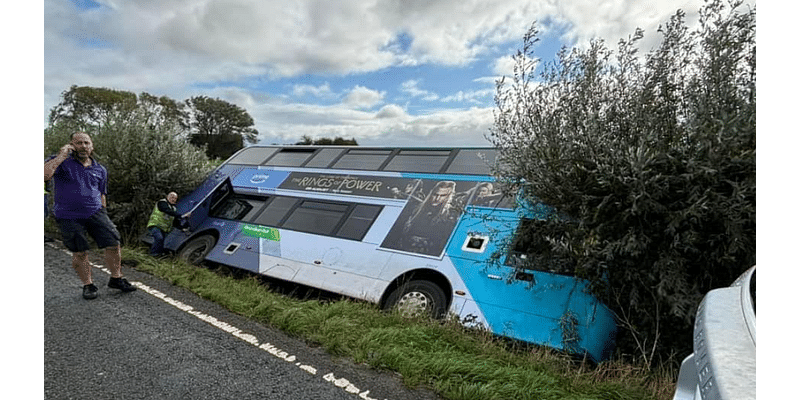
(454, 362)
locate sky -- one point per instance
(396, 72)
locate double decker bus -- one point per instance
(417, 229)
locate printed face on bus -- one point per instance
(440, 196)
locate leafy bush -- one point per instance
(144, 164)
(650, 162)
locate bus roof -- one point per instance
(433, 160)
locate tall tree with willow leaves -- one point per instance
(648, 162)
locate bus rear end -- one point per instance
(539, 307)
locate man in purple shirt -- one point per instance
(80, 184)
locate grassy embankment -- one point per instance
(454, 362)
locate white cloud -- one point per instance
(312, 36)
(446, 128)
(504, 66)
(178, 48)
(473, 96)
(321, 91)
(391, 111)
(411, 87)
(280, 123)
(287, 38)
(361, 97)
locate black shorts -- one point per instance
(98, 226)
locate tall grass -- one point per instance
(455, 362)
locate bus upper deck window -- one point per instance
(252, 156)
(291, 157)
(324, 158)
(473, 161)
(369, 160)
(430, 161)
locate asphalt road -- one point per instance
(163, 342)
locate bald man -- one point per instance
(161, 222)
(80, 184)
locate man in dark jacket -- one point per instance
(161, 221)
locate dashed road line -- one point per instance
(341, 383)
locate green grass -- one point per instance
(454, 362)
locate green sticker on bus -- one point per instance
(262, 232)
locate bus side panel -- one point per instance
(234, 247)
(338, 265)
(343, 266)
(321, 277)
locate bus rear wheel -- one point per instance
(197, 249)
(418, 298)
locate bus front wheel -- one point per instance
(417, 298)
(197, 249)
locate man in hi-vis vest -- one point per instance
(162, 220)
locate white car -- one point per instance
(723, 365)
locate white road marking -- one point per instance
(237, 333)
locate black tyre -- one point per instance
(197, 249)
(417, 298)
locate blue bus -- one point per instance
(412, 229)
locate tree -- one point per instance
(162, 110)
(648, 163)
(337, 141)
(88, 108)
(221, 126)
(84, 107)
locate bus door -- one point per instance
(200, 212)
(240, 241)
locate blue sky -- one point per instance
(399, 72)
